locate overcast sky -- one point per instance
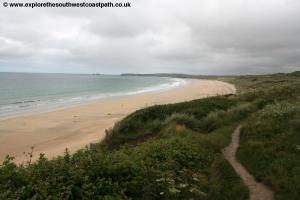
(183, 36)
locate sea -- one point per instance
(26, 93)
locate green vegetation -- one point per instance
(270, 139)
(174, 151)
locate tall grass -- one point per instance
(270, 148)
(270, 140)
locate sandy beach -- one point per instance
(74, 128)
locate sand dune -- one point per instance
(74, 128)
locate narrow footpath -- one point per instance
(258, 191)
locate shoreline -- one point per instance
(75, 127)
(53, 108)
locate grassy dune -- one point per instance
(270, 139)
(174, 151)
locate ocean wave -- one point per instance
(162, 87)
(28, 101)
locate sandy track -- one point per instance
(73, 128)
(258, 191)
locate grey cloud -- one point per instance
(208, 36)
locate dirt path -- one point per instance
(257, 190)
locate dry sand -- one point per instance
(74, 128)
